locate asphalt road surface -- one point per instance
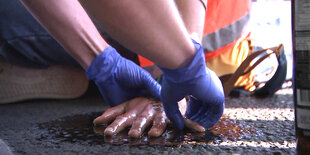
(249, 126)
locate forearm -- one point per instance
(154, 29)
(193, 15)
(70, 25)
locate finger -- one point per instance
(193, 125)
(173, 113)
(198, 115)
(159, 124)
(192, 108)
(142, 121)
(110, 114)
(152, 85)
(120, 123)
(213, 114)
(133, 108)
(207, 116)
(212, 87)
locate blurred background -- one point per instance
(271, 25)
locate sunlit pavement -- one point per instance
(270, 120)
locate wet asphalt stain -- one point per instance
(79, 129)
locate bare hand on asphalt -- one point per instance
(139, 113)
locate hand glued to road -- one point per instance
(139, 113)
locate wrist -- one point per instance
(187, 55)
(88, 57)
(194, 67)
(102, 64)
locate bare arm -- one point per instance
(193, 15)
(69, 24)
(152, 28)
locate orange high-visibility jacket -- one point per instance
(225, 22)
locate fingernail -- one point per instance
(95, 121)
(109, 131)
(200, 129)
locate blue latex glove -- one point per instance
(119, 79)
(207, 99)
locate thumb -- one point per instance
(152, 86)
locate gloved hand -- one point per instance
(119, 79)
(207, 99)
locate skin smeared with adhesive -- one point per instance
(130, 114)
(142, 121)
(159, 124)
(139, 113)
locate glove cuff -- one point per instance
(103, 64)
(197, 65)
